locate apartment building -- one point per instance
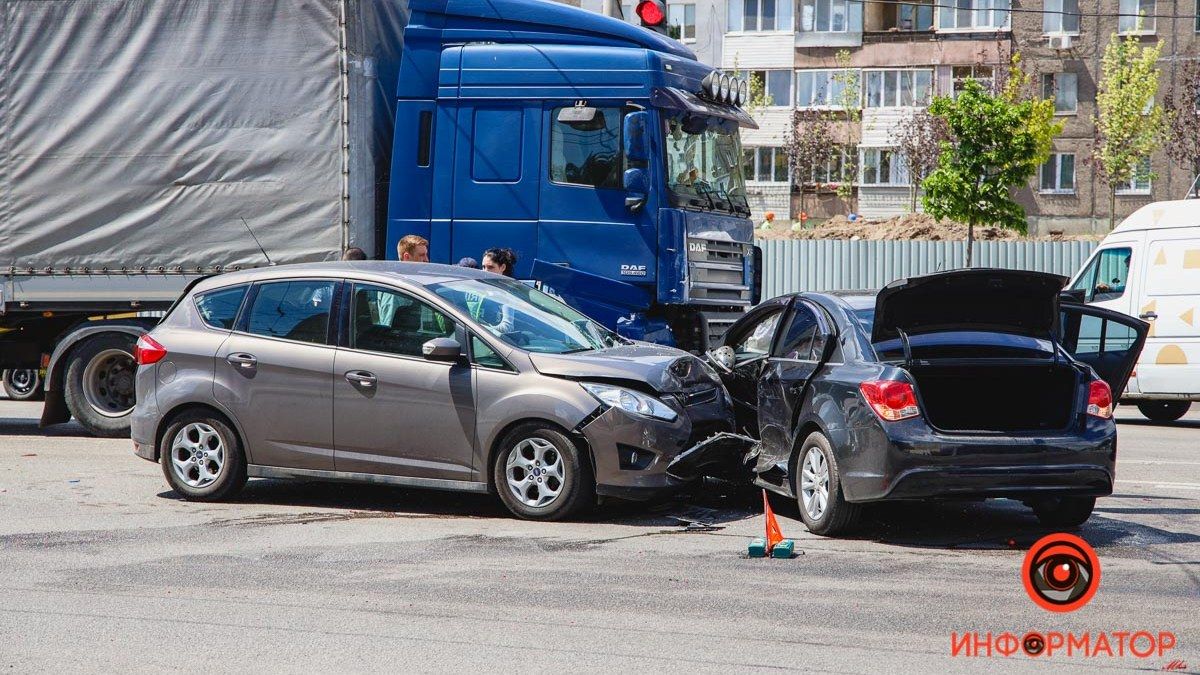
(903, 53)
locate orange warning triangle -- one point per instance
(774, 535)
(1188, 316)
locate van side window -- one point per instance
(394, 323)
(587, 153)
(293, 310)
(219, 308)
(1106, 276)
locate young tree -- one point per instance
(919, 138)
(848, 103)
(1182, 106)
(809, 145)
(997, 142)
(1130, 125)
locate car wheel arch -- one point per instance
(804, 429)
(169, 418)
(494, 449)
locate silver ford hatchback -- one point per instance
(417, 375)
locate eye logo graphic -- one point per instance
(1061, 572)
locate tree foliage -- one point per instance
(1182, 106)
(997, 143)
(809, 145)
(1129, 124)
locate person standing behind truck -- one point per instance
(498, 317)
(413, 248)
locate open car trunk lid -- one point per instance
(990, 300)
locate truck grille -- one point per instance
(716, 272)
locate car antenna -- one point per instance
(270, 263)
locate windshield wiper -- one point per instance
(707, 194)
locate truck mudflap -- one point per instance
(718, 454)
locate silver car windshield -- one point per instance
(525, 317)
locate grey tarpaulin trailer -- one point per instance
(140, 139)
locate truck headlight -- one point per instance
(630, 401)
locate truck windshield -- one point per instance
(526, 318)
(704, 164)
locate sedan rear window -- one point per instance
(219, 308)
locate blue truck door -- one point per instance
(496, 173)
(585, 223)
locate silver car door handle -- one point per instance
(242, 360)
(361, 377)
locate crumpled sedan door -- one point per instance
(794, 361)
(1108, 341)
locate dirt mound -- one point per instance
(907, 226)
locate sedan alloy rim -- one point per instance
(814, 483)
(197, 455)
(535, 472)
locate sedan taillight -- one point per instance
(891, 400)
(148, 351)
(1100, 401)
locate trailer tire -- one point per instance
(99, 386)
(23, 384)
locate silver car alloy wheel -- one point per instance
(197, 455)
(814, 483)
(535, 472)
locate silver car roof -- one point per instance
(381, 271)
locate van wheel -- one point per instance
(540, 474)
(99, 386)
(202, 458)
(823, 507)
(24, 384)
(1164, 411)
(1064, 511)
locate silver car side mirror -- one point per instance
(442, 349)
(723, 358)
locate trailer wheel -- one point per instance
(99, 386)
(23, 384)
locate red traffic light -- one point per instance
(651, 12)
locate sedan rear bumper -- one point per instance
(908, 460)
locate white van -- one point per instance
(1149, 267)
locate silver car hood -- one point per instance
(666, 369)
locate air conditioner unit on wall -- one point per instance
(1061, 42)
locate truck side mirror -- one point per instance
(637, 187)
(634, 130)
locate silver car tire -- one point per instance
(202, 457)
(817, 482)
(540, 474)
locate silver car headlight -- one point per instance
(630, 401)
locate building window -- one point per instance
(883, 166)
(825, 89)
(1061, 16)
(984, 75)
(1063, 88)
(834, 170)
(777, 86)
(683, 16)
(1058, 174)
(824, 16)
(766, 165)
(1139, 183)
(973, 15)
(1136, 16)
(898, 88)
(760, 15)
(915, 17)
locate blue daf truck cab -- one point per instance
(604, 154)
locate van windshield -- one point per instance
(704, 163)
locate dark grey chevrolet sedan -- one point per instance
(417, 375)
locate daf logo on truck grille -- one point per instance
(697, 247)
(633, 270)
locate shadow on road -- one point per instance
(1178, 424)
(28, 426)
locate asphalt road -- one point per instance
(103, 568)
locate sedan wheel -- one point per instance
(823, 507)
(535, 472)
(541, 474)
(197, 455)
(814, 483)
